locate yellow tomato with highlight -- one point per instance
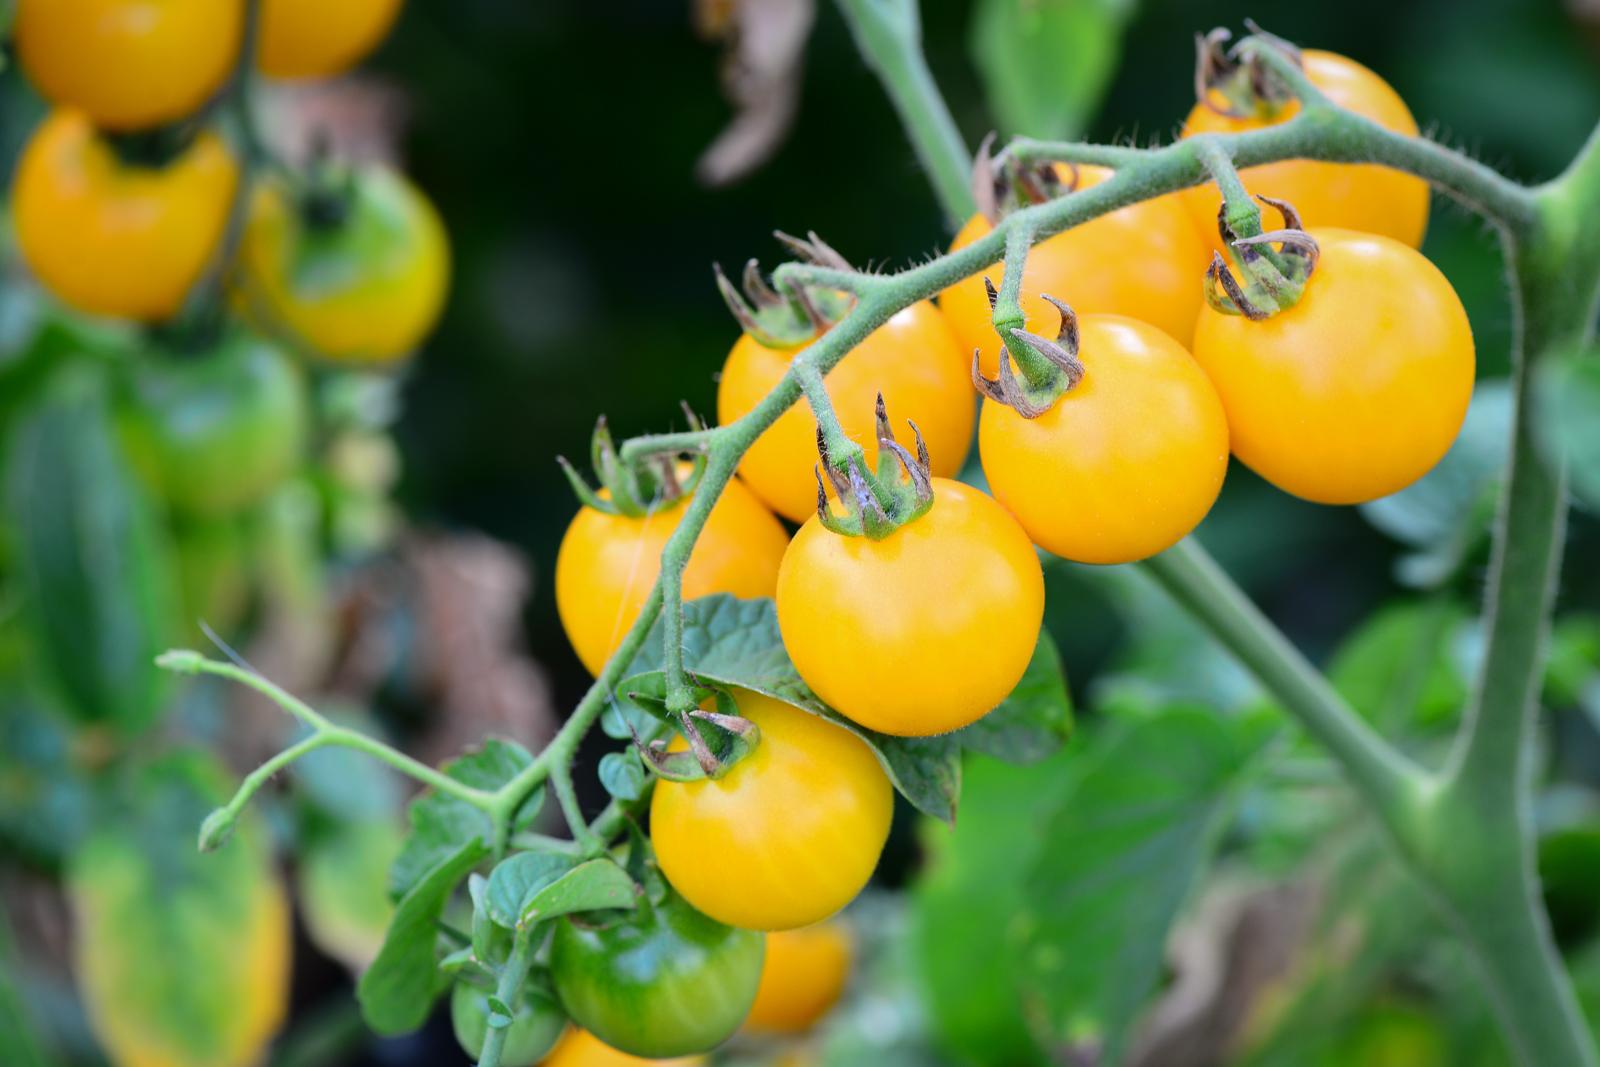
(1126, 463)
(789, 835)
(803, 976)
(1144, 261)
(1358, 389)
(921, 632)
(608, 564)
(913, 360)
(579, 1048)
(129, 64)
(111, 238)
(1352, 196)
(317, 39)
(363, 285)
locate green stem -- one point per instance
(509, 990)
(889, 35)
(567, 797)
(841, 449)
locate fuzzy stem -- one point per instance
(509, 991)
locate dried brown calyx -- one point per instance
(1274, 277)
(1047, 369)
(797, 314)
(874, 504)
(635, 489)
(1004, 187)
(1239, 84)
(716, 740)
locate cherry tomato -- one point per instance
(537, 1024)
(316, 39)
(804, 975)
(582, 1049)
(1125, 464)
(1358, 389)
(1143, 260)
(114, 239)
(1354, 196)
(661, 980)
(364, 285)
(129, 64)
(913, 360)
(924, 631)
(608, 564)
(789, 835)
(215, 432)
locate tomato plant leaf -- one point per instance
(516, 879)
(49, 797)
(1046, 63)
(439, 824)
(93, 563)
(1135, 828)
(591, 886)
(342, 882)
(1397, 669)
(1035, 720)
(1567, 394)
(623, 774)
(398, 990)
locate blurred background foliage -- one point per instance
(561, 141)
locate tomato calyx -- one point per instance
(1000, 190)
(874, 504)
(634, 489)
(1046, 370)
(798, 315)
(712, 752)
(1237, 84)
(1275, 278)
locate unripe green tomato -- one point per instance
(660, 981)
(534, 1029)
(215, 432)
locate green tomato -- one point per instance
(659, 981)
(214, 433)
(533, 1032)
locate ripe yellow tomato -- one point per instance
(316, 39)
(579, 1048)
(1353, 196)
(129, 64)
(789, 835)
(924, 631)
(365, 287)
(913, 360)
(1125, 464)
(1144, 260)
(608, 563)
(114, 239)
(802, 978)
(1358, 389)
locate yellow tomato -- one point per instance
(1358, 389)
(364, 287)
(803, 976)
(608, 563)
(316, 38)
(129, 63)
(579, 1048)
(913, 360)
(789, 835)
(1125, 464)
(1353, 196)
(924, 631)
(1143, 260)
(114, 239)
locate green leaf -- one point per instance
(1445, 515)
(48, 803)
(1567, 418)
(1574, 661)
(517, 879)
(342, 878)
(1035, 720)
(1397, 669)
(398, 990)
(1125, 844)
(1046, 64)
(595, 885)
(735, 643)
(623, 774)
(94, 564)
(439, 824)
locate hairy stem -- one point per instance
(509, 991)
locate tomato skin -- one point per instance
(1144, 261)
(1352, 196)
(805, 973)
(607, 565)
(534, 1029)
(316, 39)
(663, 980)
(113, 239)
(1358, 389)
(913, 359)
(582, 1049)
(366, 289)
(924, 631)
(129, 64)
(1126, 463)
(215, 433)
(789, 835)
